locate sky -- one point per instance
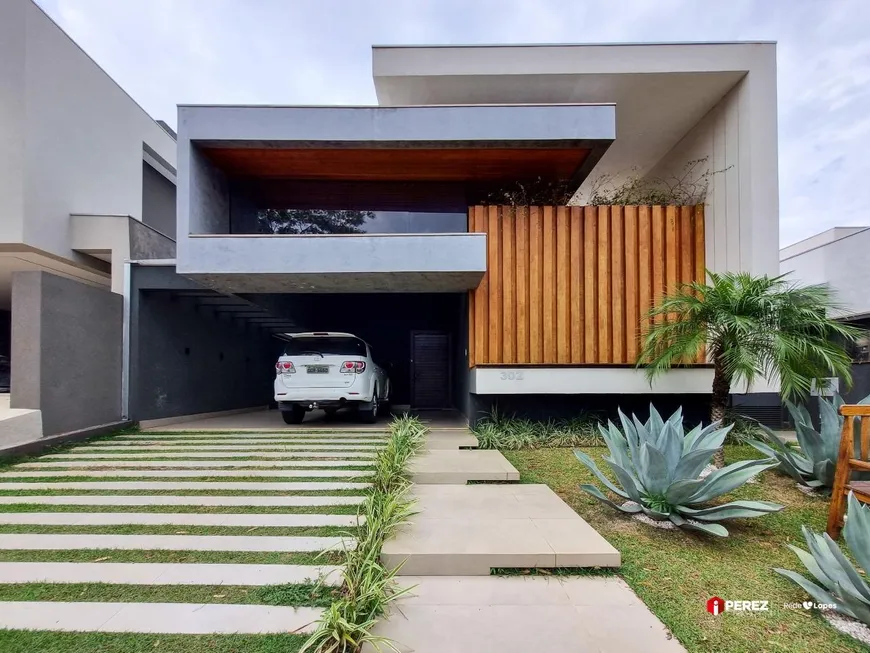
(168, 52)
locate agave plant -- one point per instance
(842, 584)
(816, 461)
(659, 467)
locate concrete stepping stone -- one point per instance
(450, 439)
(258, 543)
(460, 467)
(194, 463)
(158, 500)
(186, 473)
(265, 486)
(231, 447)
(157, 618)
(148, 573)
(215, 454)
(469, 529)
(173, 519)
(518, 614)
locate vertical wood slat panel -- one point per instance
(563, 286)
(521, 240)
(605, 326)
(493, 235)
(590, 282)
(536, 268)
(617, 284)
(632, 305)
(508, 286)
(481, 303)
(700, 260)
(658, 256)
(577, 290)
(571, 284)
(644, 268)
(549, 285)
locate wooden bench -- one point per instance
(850, 460)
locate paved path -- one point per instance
(320, 499)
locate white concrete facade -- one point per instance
(72, 142)
(674, 103)
(837, 257)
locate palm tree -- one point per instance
(751, 327)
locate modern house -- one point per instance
(468, 226)
(87, 181)
(428, 226)
(838, 257)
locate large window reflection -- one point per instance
(335, 221)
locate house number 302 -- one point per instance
(512, 376)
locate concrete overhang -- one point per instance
(443, 143)
(350, 263)
(660, 90)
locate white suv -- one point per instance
(328, 370)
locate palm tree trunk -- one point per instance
(719, 403)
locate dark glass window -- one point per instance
(343, 221)
(326, 345)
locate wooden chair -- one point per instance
(850, 460)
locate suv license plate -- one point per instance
(318, 369)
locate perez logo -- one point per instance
(717, 606)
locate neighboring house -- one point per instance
(372, 220)
(87, 180)
(838, 257)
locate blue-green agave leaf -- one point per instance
(713, 438)
(653, 470)
(733, 510)
(628, 480)
(730, 477)
(693, 464)
(654, 514)
(711, 529)
(586, 460)
(858, 608)
(831, 424)
(679, 491)
(671, 446)
(655, 423)
(618, 446)
(595, 492)
(810, 441)
(631, 435)
(856, 585)
(812, 566)
(819, 594)
(857, 532)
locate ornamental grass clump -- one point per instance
(840, 583)
(367, 586)
(814, 464)
(658, 468)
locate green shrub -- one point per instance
(498, 431)
(841, 583)
(367, 586)
(658, 466)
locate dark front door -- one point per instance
(430, 369)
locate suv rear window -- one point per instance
(328, 346)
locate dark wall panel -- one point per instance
(158, 201)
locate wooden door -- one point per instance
(430, 369)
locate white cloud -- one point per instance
(168, 52)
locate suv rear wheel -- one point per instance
(293, 416)
(369, 414)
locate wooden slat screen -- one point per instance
(569, 285)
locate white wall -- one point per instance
(843, 264)
(83, 134)
(11, 121)
(739, 137)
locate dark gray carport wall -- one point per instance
(190, 352)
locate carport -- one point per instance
(199, 352)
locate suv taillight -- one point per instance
(285, 367)
(353, 367)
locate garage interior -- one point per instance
(195, 350)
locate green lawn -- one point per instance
(676, 572)
(24, 641)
